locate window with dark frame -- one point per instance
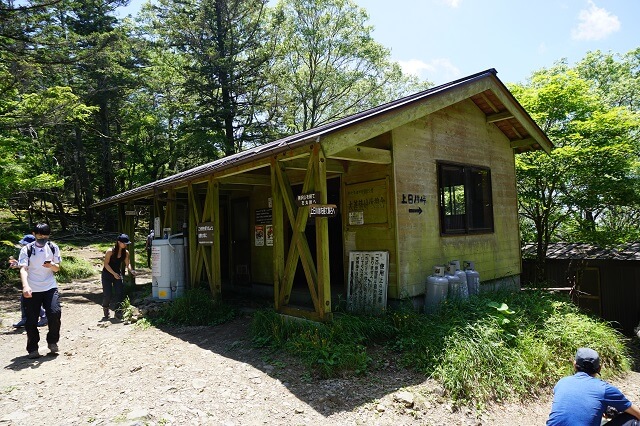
(466, 205)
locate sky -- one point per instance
(443, 40)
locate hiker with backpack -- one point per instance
(13, 264)
(39, 261)
(112, 275)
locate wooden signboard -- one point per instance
(368, 281)
(323, 210)
(308, 199)
(205, 233)
(367, 202)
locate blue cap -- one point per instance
(124, 238)
(588, 360)
(28, 238)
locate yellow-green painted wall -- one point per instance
(378, 237)
(459, 134)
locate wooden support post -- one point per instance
(195, 265)
(322, 238)
(170, 218)
(278, 233)
(214, 211)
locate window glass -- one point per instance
(465, 199)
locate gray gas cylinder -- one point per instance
(437, 289)
(455, 284)
(464, 291)
(473, 277)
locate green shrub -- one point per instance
(73, 268)
(196, 307)
(329, 349)
(492, 347)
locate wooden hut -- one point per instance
(362, 207)
(603, 281)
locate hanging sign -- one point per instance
(323, 210)
(308, 199)
(205, 233)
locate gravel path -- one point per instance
(108, 373)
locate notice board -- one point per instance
(368, 281)
(367, 202)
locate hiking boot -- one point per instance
(20, 323)
(43, 322)
(105, 312)
(34, 354)
(53, 348)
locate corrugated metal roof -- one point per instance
(578, 251)
(302, 138)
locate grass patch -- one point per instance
(196, 307)
(493, 347)
(329, 349)
(74, 268)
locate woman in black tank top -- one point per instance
(112, 283)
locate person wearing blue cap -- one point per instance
(112, 283)
(582, 399)
(13, 264)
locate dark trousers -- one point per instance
(23, 311)
(112, 291)
(50, 300)
(623, 419)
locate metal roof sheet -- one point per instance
(563, 250)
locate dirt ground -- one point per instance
(109, 372)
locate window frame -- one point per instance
(465, 176)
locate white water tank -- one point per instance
(473, 278)
(167, 268)
(437, 289)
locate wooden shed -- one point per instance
(363, 207)
(605, 281)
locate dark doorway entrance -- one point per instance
(240, 242)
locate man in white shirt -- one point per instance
(38, 262)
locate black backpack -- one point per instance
(30, 249)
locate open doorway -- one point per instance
(240, 265)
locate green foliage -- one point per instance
(327, 64)
(73, 268)
(588, 188)
(196, 307)
(328, 349)
(492, 347)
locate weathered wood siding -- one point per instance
(458, 134)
